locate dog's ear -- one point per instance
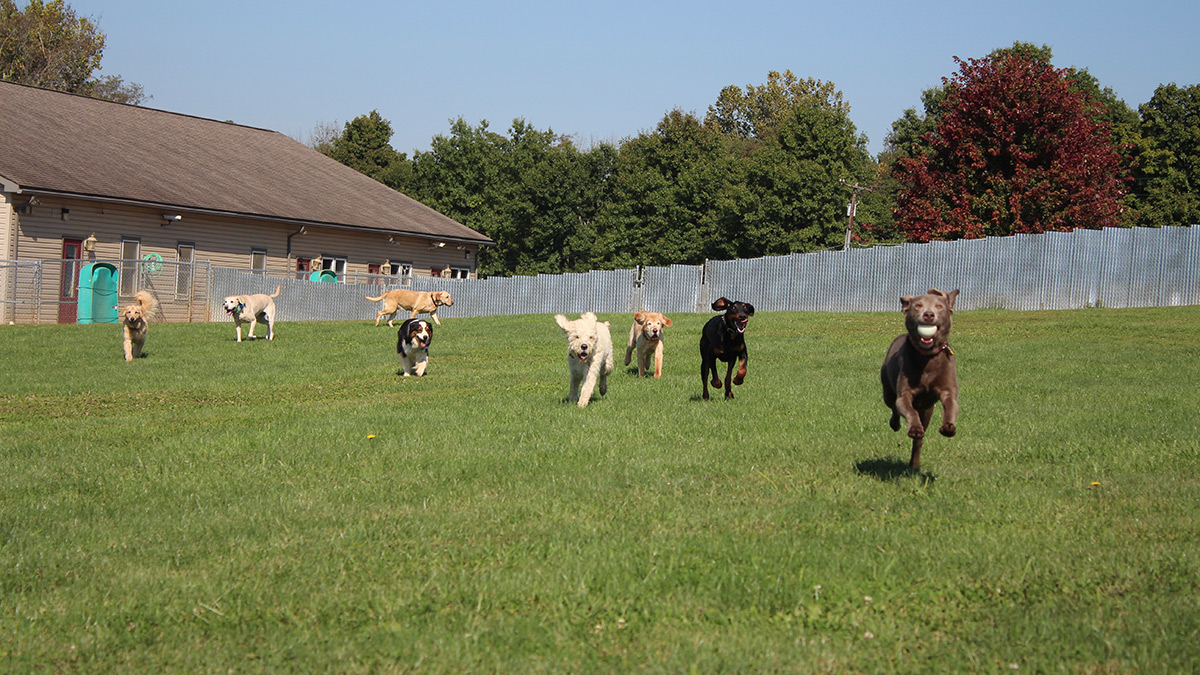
(720, 304)
(639, 318)
(666, 322)
(950, 298)
(561, 321)
(905, 301)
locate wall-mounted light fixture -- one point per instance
(169, 218)
(27, 207)
(65, 215)
(438, 244)
(89, 244)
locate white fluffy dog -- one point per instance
(589, 353)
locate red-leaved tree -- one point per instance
(1017, 149)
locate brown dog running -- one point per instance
(919, 368)
(724, 339)
(417, 301)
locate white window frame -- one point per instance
(184, 269)
(254, 252)
(460, 272)
(129, 265)
(337, 263)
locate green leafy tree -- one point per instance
(667, 196)
(1168, 172)
(365, 145)
(531, 191)
(760, 110)
(793, 199)
(49, 45)
(1018, 148)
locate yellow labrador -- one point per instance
(251, 309)
(417, 301)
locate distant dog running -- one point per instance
(646, 338)
(589, 354)
(417, 301)
(412, 344)
(724, 339)
(135, 324)
(919, 368)
(251, 309)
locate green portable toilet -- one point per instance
(323, 275)
(98, 293)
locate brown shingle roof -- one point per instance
(75, 145)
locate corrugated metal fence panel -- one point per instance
(670, 289)
(1111, 268)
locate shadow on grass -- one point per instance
(890, 468)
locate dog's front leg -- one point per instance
(239, 329)
(253, 325)
(128, 349)
(949, 413)
(741, 373)
(658, 359)
(589, 384)
(435, 318)
(916, 429)
(729, 380)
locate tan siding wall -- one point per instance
(222, 241)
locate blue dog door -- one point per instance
(98, 293)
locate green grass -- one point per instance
(220, 506)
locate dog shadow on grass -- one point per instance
(889, 469)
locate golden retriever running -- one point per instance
(135, 320)
(417, 301)
(646, 338)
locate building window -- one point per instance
(460, 273)
(131, 251)
(185, 255)
(335, 263)
(258, 260)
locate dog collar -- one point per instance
(944, 348)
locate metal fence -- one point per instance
(46, 291)
(1115, 267)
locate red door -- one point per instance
(68, 285)
(302, 265)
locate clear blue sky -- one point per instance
(600, 71)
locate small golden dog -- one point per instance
(418, 301)
(646, 337)
(135, 323)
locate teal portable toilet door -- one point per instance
(98, 293)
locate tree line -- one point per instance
(1008, 144)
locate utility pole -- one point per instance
(855, 188)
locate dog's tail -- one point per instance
(147, 301)
(367, 297)
(276, 293)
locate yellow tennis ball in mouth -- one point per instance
(927, 330)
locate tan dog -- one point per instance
(919, 369)
(589, 355)
(417, 301)
(251, 309)
(646, 337)
(135, 323)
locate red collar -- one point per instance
(944, 348)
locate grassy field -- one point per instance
(297, 506)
